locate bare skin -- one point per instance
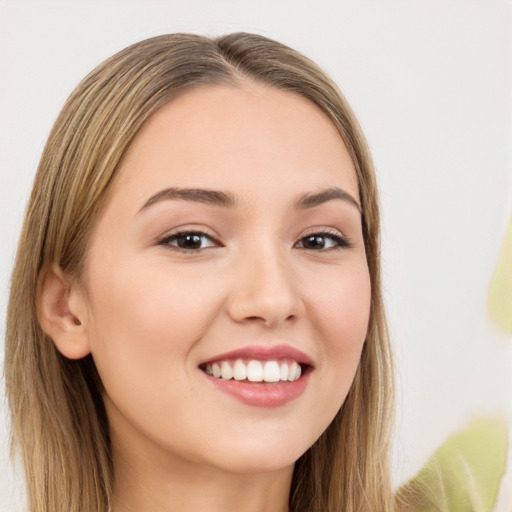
(176, 279)
(189, 488)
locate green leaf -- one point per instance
(499, 299)
(463, 475)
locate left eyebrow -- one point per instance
(311, 200)
(198, 195)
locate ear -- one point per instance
(57, 296)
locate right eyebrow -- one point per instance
(198, 195)
(312, 200)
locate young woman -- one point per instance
(195, 320)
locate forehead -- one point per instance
(245, 138)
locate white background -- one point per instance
(431, 83)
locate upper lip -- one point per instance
(264, 353)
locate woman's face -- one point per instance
(230, 244)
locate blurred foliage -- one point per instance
(500, 290)
(463, 475)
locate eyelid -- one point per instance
(314, 230)
(344, 242)
(188, 230)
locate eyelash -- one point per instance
(341, 242)
(181, 234)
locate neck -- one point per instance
(209, 490)
(141, 488)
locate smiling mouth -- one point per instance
(260, 376)
(271, 371)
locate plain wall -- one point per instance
(431, 83)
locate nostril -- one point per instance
(265, 297)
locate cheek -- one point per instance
(341, 315)
(342, 307)
(146, 301)
(144, 322)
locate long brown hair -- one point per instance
(58, 419)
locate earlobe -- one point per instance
(57, 319)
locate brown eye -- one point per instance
(313, 242)
(189, 241)
(322, 241)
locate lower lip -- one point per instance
(262, 394)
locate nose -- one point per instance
(265, 290)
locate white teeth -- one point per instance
(292, 371)
(283, 373)
(255, 371)
(239, 370)
(271, 372)
(226, 371)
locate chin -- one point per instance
(263, 455)
(246, 464)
